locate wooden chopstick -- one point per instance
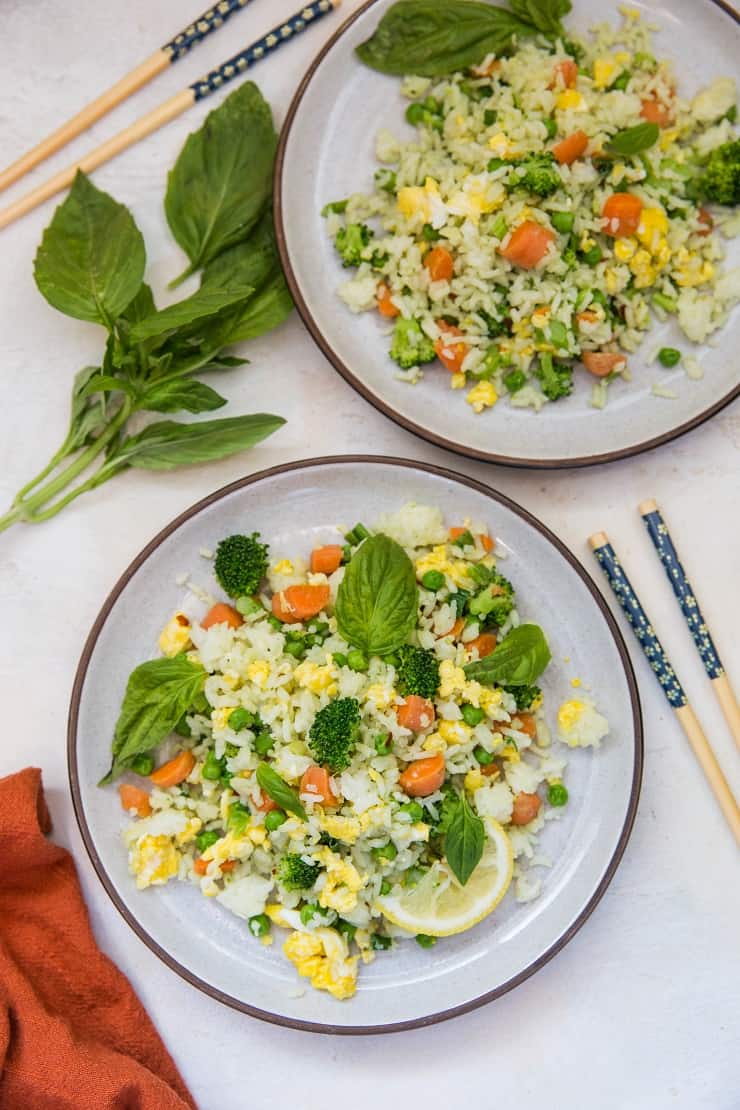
(175, 106)
(171, 52)
(666, 676)
(663, 544)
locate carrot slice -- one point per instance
(622, 211)
(423, 776)
(266, 804)
(565, 73)
(571, 148)
(415, 713)
(133, 797)
(174, 771)
(298, 603)
(228, 865)
(526, 808)
(601, 363)
(450, 354)
(655, 112)
(326, 559)
(528, 245)
(440, 264)
(705, 217)
(527, 724)
(485, 643)
(316, 782)
(222, 614)
(386, 306)
(200, 866)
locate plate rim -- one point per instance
(77, 690)
(379, 402)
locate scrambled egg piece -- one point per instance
(454, 684)
(381, 696)
(258, 672)
(346, 829)
(580, 725)
(283, 566)
(423, 203)
(510, 752)
(476, 198)
(482, 396)
(457, 381)
(571, 99)
(153, 860)
(220, 717)
(228, 847)
(434, 743)
(604, 71)
(322, 957)
(499, 144)
(669, 137)
(316, 678)
(653, 226)
(474, 780)
(454, 732)
(625, 248)
(175, 636)
(437, 559)
(343, 881)
(690, 270)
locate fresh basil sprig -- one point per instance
(518, 660)
(464, 839)
(157, 694)
(633, 140)
(90, 265)
(276, 788)
(377, 600)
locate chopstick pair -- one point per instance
(169, 110)
(658, 660)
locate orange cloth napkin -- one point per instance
(73, 1035)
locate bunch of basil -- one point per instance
(90, 265)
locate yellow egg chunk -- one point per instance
(482, 396)
(153, 860)
(438, 559)
(283, 567)
(346, 829)
(322, 957)
(652, 228)
(457, 381)
(315, 677)
(454, 732)
(258, 672)
(175, 636)
(220, 716)
(571, 100)
(580, 724)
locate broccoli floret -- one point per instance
(556, 379)
(721, 180)
(417, 671)
(495, 602)
(334, 733)
(526, 697)
(410, 346)
(241, 564)
(295, 873)
(351, 241)
(537, 174)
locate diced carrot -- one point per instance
(622, 211)
(200, 866)
(526, 808)
(299, 603)
(705, 217)
(655, 112)
(133, 797)
(228, 865)
(565, 73)
(415, 713)
(490, 769)
(486, 69)
(222, 614)
(571, 148)
(439, 262)
(386, 306)
(450, 354)
(174, 771)
(484, 539)
(423, 776)
(455, 630)
(527, 724)
(266, 804)
(528, 245)
(316, 782)
(326, 559)
(587, 317)
(485, 644)
(601, 363)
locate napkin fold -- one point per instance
(73, 1035)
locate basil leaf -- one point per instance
(107, 383)
(633, 140)
(277, 789)
(157, 694)
(545, 15)
(377, 600)
(247, 263)
(464, 840)
(221, 182)
(264, 311)
(178, 394)
(431, 39)
(167, 444)
(89, 414)
(141, 306)
(202, 305)
(518, 660)
(91, 259)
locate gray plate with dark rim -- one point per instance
(410, 987)
(326, 151)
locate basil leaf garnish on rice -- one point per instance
(277, 789)
(377, 600)
(633, 140)
(518, 660)
(464, 840)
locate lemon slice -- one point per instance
(439, 906)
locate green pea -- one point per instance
(415, 113)
(489, 117)
(345, 929)
(357, 660)
(593, 256)
(669, 356)
(205, 839)
(383, 743)
(414, 810)
(248, 605)
(387, 852)
(340, 658)
(385, 887)
(319, 628)
(552, 128)
(143, 764)
(425, 941)
(514, 380)
(212, 768)
(433, 580)
(557, 794)
(429, 233)
(296, 649)
(275, 622)
(274, 819)
(259, 925)
(240, 718)
(311, 910)
(472, 715)
(380, 943)
(264, 743)
(563, 221)
(483, 757)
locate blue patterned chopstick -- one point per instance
(204, 25)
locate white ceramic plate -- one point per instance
(327, 151)
(210, 947)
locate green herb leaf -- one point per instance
(277, 789)
(633, 139)
(432, 39)
(167, 444)
(221, 182)
(248, 263)
(464, 840)
(518, 660)
(157, 694)
(89, 414)
(180, 394)
(377, 600)
(264, 311)
(545, 15)
(203, 305)
(92, 257)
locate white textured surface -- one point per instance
(640, 1011)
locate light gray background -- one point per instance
(641, 1009)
